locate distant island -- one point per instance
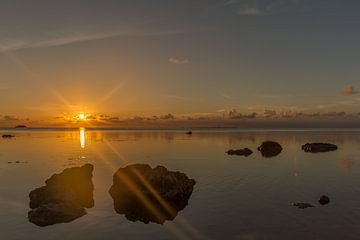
(21, 126)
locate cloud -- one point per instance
(225, 95)
(266, 7)
(10, 118)
(233, 114)
(269, 113)
(348, 90)
(252, 11)
(334, 114)
(178, 61)
(167, 117)
(53, 39)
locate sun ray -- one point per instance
(185, 225)
(109, 94)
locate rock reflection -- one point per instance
(148, 194)
(64, 198)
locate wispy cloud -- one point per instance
(178, 61)
(225, 95)
(266, 7)
(252, 11)
(60, 39)
(348, 90)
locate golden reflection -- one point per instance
(82, 137)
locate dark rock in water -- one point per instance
(240, 152)
(323, 200)
(53, 213)
(189, 132)
(64, 198)
(302, 205)
(148, 194)
(270, 149)
(20, 126)
(319, 147)
(7, 136)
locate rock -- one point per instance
(323, 200)
(270, 149)
(64, 198)
(20, 126)
(319, 147)
(302, 205)
(53, 213)
(240, 152)
(189, 132)
(148, 194)
(7, 136)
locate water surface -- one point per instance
(234, 198)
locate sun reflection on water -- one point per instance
(82, 137)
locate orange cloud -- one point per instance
(178, 61)
(348, 90)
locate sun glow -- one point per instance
(82, 116)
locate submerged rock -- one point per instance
(7, 136)
(302, 205)
(319, 147)
(189, 132)
(148, 194)
(323, 200)
(270, 149)
(240, 152)
(64, 198)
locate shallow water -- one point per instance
(235, 197)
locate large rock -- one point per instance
(148, 194)
(64, 198)
(270, 149)
(319, 147)
(240, 152)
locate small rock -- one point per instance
(7, 136)
(189, 132)
(240, 152)
(17, 162)
(302, 205)
(319, 147)
(323, 200)
(270, 149)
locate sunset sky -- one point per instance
(144, 61)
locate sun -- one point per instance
(82, 116)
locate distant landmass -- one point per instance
(20, 126)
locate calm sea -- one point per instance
(235, 197)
